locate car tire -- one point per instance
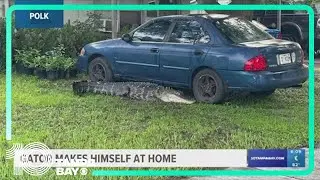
(290, 37)
(263, 93)
(100, 70)
(207, 86)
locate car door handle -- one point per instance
(198, 52)
(154, 50)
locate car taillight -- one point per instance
(279, 36)
(258, 63)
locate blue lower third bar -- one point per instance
(276, 158)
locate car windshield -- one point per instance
(239, 30)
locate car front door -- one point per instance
(185, 47)
(139, 58)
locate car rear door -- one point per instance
(184, 48)
(139, 59)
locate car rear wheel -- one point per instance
(208, 87)
(100, 71)
(263, 93)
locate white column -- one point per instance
(118, 18)
(114, 21)
(143, 14)
(279, 18)
(158, 12)
(6, 5)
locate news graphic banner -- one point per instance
(276, 158)
(36, 158)
(38, 18)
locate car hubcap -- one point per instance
(207, 86)
(98, 72)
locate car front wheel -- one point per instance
(100, 71)
(208, 87)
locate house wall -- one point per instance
(70, 16)
(4, 4)
(2, 9)
(121, 17)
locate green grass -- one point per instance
(48, 112)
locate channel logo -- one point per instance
(41, 154)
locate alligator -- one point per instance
(134, 90)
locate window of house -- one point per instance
(155, 31)
(188, 32)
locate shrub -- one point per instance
(72, 36)
(40, 62)
(51, 60)
(126, 29)
(2, 43)
(75, 36)
(57, 59)
(69, 63)
(27, 57)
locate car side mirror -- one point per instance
(126, 37)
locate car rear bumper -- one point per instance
(264, 81)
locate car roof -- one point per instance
(206, 16)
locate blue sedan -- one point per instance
(210, 54)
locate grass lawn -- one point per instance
(48, 112)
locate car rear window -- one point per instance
(259, 25)
(240, 30)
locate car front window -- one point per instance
(239, 30)
(154, 32)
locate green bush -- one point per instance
(75, 36)
(27, 57)
(2, 43)
(72, 37)
(126, 29)
(51, 60)
(56, 59)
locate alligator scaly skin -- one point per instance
(135, 90)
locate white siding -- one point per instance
(76, 15)
(3, 5)
(82, 15)
(1, 8)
